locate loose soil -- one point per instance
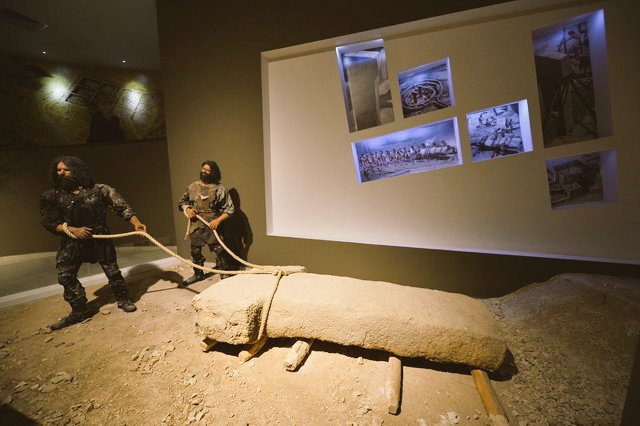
(572, 342)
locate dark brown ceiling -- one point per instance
(91, 32)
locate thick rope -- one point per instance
(255, 269)
(266, 307)
(238, 258)
(278, 271)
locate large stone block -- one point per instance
(406, 321)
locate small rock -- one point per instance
(61, 376)
(20, 387)
(105, 311)
(48, 339)
(363, 411)
(453, 417)
(48, 388)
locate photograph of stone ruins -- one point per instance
(185, 239)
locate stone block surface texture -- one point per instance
(406, 321)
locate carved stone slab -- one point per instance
(406, 321)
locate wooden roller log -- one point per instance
(394, 384)
(297, 354)
(207, 344)
(489, 398)
(249, 353)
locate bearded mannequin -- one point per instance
(209, 199)
(82, 204)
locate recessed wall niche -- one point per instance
(309, 151)
(416, 150)
(499, 131)
(365, 84)
(582, 180)
(426, 88)
(571, 69)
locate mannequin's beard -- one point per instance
(68, 183)
(206, 178)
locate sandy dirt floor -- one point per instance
(572, 342)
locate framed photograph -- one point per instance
(426, 88)
(499, 131)
(416, 150)
(582, 179)
(564, 60)
(365, 84)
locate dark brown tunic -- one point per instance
(87, 208)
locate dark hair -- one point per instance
(78, 167)
(215, 171)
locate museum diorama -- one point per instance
(195, 330)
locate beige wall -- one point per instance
(499, 206)
(210, 53)
(138, 171)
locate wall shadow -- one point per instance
(237, 233)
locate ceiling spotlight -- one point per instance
(123, 61)
(44, 52)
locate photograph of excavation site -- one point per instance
(191, 233)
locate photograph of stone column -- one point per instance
(499, 131)
(365, 84)
(564, 57)
(415, 150)
(426, 88)
(582, 179)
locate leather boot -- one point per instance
(77, 315)
(126, 305)
(198, 275)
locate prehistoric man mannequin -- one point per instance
(82, 204)
(209, 199)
